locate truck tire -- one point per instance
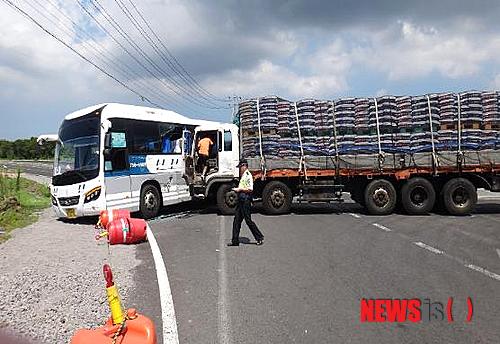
(150, 201)
(276, 198)
(380, 197)
(459, 196)
(418, 196)
(226, 199)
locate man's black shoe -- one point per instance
(233, 244)
(260, 242)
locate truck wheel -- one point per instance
(226, 199)
(380, 197)
(418, 196)
(150, 201)
(459, 196)
(276, 198)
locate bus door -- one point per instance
(117, 170)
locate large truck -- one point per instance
(440, 176)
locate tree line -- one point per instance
(26, 149)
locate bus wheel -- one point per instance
(276, 198)
(226, 199)
(150, 201)
(418, 196)
(380, 197)
(459, 196)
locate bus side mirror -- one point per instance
(107, 153)
(107, 140)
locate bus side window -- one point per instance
(228, 141)
(171, 138)
(115, 156)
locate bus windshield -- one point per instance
(77, 152)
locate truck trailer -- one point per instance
(442, 174)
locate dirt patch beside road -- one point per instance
(51, 279)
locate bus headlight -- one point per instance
(92, 195)
(53, 199)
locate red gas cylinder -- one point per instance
(138, 329)
(126, 231)
(106, 216)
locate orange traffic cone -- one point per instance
(130, 328)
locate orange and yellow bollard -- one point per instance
(120, 328)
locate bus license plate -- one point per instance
(71, 213)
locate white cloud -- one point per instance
(410, 51)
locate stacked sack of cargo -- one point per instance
(391, 124)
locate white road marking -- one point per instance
(428, 248)
(498, 252)
(355, 215)
(384, 228)
(169, 324)
(483, 271)
(223, 324)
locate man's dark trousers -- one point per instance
(243, 211)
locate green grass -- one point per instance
(20, 201)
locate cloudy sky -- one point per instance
(295, 49)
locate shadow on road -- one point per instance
(189, 209)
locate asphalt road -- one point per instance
(37, 168)
(305, 283)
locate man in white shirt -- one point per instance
(244, 206)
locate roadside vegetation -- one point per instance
(20, 202)
(26, 149)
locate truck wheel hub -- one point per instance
(230, 199)
(418, 196)
(277, 198)
(460, 197)
(381, 197)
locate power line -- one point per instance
(122, 46)
(29, 17)
(148, 39)
(190, 79)
(188, 96)
(101, 52)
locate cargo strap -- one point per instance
(460, 154)
(435, 161)
(335, 138)
(381, 155)
(302, 163)
(262, 159)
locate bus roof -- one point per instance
(111, 110)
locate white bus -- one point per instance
(114, 156)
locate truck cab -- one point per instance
(223, 157)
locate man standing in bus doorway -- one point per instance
(244, 206)
(204, 146)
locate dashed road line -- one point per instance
(434, 250)
(428, 248)
(169, 324)
(384, 228)
(483, 271)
